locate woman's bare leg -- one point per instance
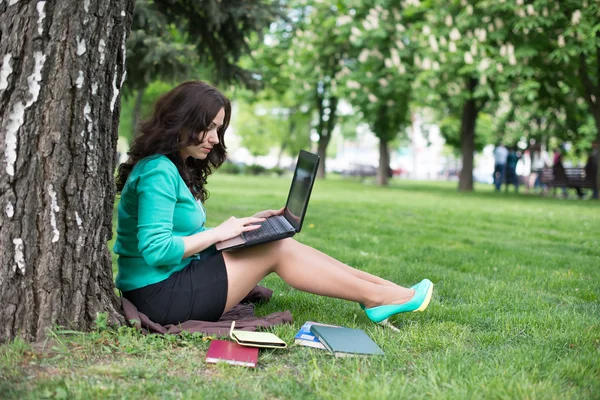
(305, 270)
(358, 273)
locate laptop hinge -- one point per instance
(286, 223)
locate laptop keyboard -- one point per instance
(270, 227)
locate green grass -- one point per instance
(515, 312)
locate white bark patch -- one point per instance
(5, 71)
(19, 257)
(34, 79)
(101, 47)
(94, 88)
(17, 115)
(124, 73)
(12, 2)
(79, 81)
(124, 50)
(40, 21)
(54, 208)
(15, 120)
(80, 46)
(115, 92)
(87, 110)
(86, 8)
(78, 219)
(9, 210)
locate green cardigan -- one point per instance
(156, 210)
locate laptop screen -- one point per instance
(302, 183)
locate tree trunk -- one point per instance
(137, 111)
(384, 163)
(322, 153)
(62, 69)
(327, 111)
(467, 140)
(280, 153)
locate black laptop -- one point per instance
(290, 222)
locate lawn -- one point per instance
(515, 312)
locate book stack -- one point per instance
(338, 340)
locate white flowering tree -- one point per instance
(539, 57)
(552, 97)
(281, 112)
(317, 53)
(466, 56)
(378, 77)
(567, 36)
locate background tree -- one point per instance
(267, 124)
(578, 47)
(283, 98)
(317, 53)
(566, 36)
(378, 76)
(466, 55)
(63, 64)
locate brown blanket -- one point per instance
(242, 314)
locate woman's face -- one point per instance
(211, 138)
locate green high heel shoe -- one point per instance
(419, 302)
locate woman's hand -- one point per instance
(236, 226)
(268, 213)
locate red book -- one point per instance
(231, 353)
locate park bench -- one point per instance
(360, 170)
(576, 178)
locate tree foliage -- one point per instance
(220, 30)
(156, 49)
(378, 75)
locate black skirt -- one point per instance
(198, 292)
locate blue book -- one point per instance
(305, 337)
(346, 341)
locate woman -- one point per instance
(168, 266)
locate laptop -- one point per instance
(290, 222)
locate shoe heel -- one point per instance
(388, 324)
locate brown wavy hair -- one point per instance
(189, 109)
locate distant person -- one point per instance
(168, 265)
(500, 156)
(593, 166)
(559, 172)
(511, 168)
(557, 156)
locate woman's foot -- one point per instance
(399, 295)
(418, 302)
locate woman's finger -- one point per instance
(250, 228)
(251, 220)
